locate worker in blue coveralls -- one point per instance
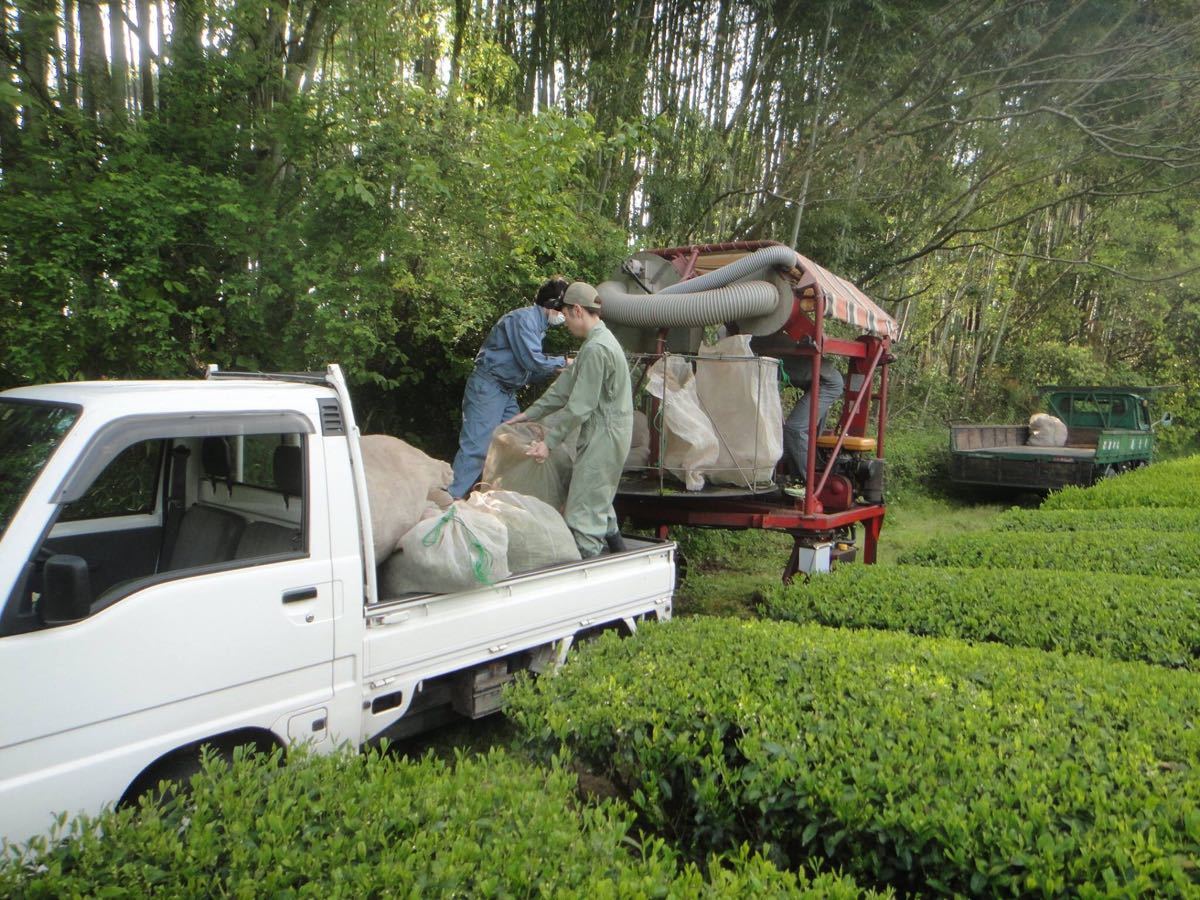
(509, 359)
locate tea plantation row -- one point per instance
(925, 764)
(375, 825)
(923, 761)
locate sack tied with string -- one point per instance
(537, 534)
(1046, 431)
(456, 550)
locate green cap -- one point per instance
(580, 293)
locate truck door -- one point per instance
(222, 619)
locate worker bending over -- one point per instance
(595, 396)
(509, 359)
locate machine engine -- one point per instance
(856, 473)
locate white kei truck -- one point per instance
(189, 563)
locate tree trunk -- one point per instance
(35, 23)
(93, 61)
(120, 58)
(460, 26)
(145, 64)
(8, 122)
(71, 84)
(306, 50)
(1014, 287)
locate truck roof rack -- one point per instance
(212, 370)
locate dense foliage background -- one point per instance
(273, 184)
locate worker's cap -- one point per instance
(580, 293)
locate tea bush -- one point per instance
(1120, 519)
(1154, 620)
(376, 825)
(926, 764)
(1169, 484)
(1120, 552)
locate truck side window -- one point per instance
(127, 487)
(250, 503)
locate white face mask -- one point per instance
(556, 318)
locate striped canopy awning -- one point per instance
(843, 301)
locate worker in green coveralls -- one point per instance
(595, 396)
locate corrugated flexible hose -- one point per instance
(777, 256)
(692, 309)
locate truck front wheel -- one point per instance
(174, 771)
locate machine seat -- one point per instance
(853, 444)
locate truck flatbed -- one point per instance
(1024, 450)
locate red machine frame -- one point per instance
(805, 520)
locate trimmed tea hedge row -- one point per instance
(1169, 484)
(1154, 620)
(1120, 519)
(359, 826)
(922, 763)
(1161, 554)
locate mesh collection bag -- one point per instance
(456, 550)
(688, 443)
(740, 393)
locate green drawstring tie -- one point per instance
(783, 375)
(481, 563)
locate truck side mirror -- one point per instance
(1165, 420)
(66, 590)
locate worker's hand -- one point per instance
(519, 417)
(539, 451)
(570, 361)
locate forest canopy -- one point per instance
(277, 185)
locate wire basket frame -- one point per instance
(731, 454)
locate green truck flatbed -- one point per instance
(1108, 431)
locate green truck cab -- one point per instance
(1108, 431)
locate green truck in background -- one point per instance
(1109, 430)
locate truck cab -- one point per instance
(1099, 408)
(188, 563)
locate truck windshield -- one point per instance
(29, 433)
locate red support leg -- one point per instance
(793, 563)
(871, 529)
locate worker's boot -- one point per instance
(616, 543)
